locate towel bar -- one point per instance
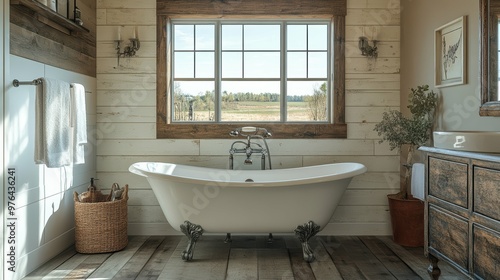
(35, 82)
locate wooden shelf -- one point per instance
(51, 15)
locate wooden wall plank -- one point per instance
(32, 46)
(32, 39)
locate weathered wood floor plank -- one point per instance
(247, 257)
(51, 266)
(155, 265)
(390, 260)
(134, 266)
(119, 259)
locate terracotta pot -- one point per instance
(407, 218)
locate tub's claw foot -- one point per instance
(228, 238)
(193, 232)
(304, 233)
(270, 238)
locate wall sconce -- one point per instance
(366, 49)
(130, 49)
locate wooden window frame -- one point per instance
(264, 9)
(489, 16)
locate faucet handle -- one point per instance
(234, 133)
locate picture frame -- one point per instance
(450, 60)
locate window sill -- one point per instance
(278, 130)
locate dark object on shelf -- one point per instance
(49, 14)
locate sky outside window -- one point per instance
(251, 58)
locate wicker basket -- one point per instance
(101, 227)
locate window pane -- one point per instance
(232, 65)
(205, 65)
(262, 37)
(232, 37)
(262, 65)
(297, 65)
(250, 101)
(318, 37)
(318, 63)
(296, 37)
(205, 37)
(307, 101)
(193, 101)
(183, 37)
(184, 65)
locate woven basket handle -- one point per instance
(125, 192)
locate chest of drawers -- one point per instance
(462, 212)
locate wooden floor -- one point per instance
(247, 257)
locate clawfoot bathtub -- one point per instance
(199, 199)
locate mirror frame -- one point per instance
(490, 106)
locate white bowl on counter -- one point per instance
(471, 141)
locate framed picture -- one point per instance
(450, 53)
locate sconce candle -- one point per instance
(130, 49)
(119, 33)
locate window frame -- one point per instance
(326, 9)
(489, 18)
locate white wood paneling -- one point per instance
(390, 17)
(372, 82)
(377, 66)
(109, 33)
(44, 198)
(107, 49)
(126, 118)
(131, 16)
(371, 99)
(366, 114)
(126, 114)
(374, 4)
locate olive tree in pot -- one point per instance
(408, 132)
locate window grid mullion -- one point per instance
(217, 71)
(307, 50)
(283, 74)
(194, 50)
(243, 50)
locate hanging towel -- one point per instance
(78, 122)
(417, 181)
(52, 124)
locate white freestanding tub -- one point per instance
(199, 199)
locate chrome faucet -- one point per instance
(250, 147)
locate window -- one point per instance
(285, 73)
(250, 74)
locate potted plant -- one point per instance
(408, 132)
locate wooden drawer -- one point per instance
(449, 236)
(487, 192)
(486, 253)
(448, 180)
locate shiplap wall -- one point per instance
(126, 118)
